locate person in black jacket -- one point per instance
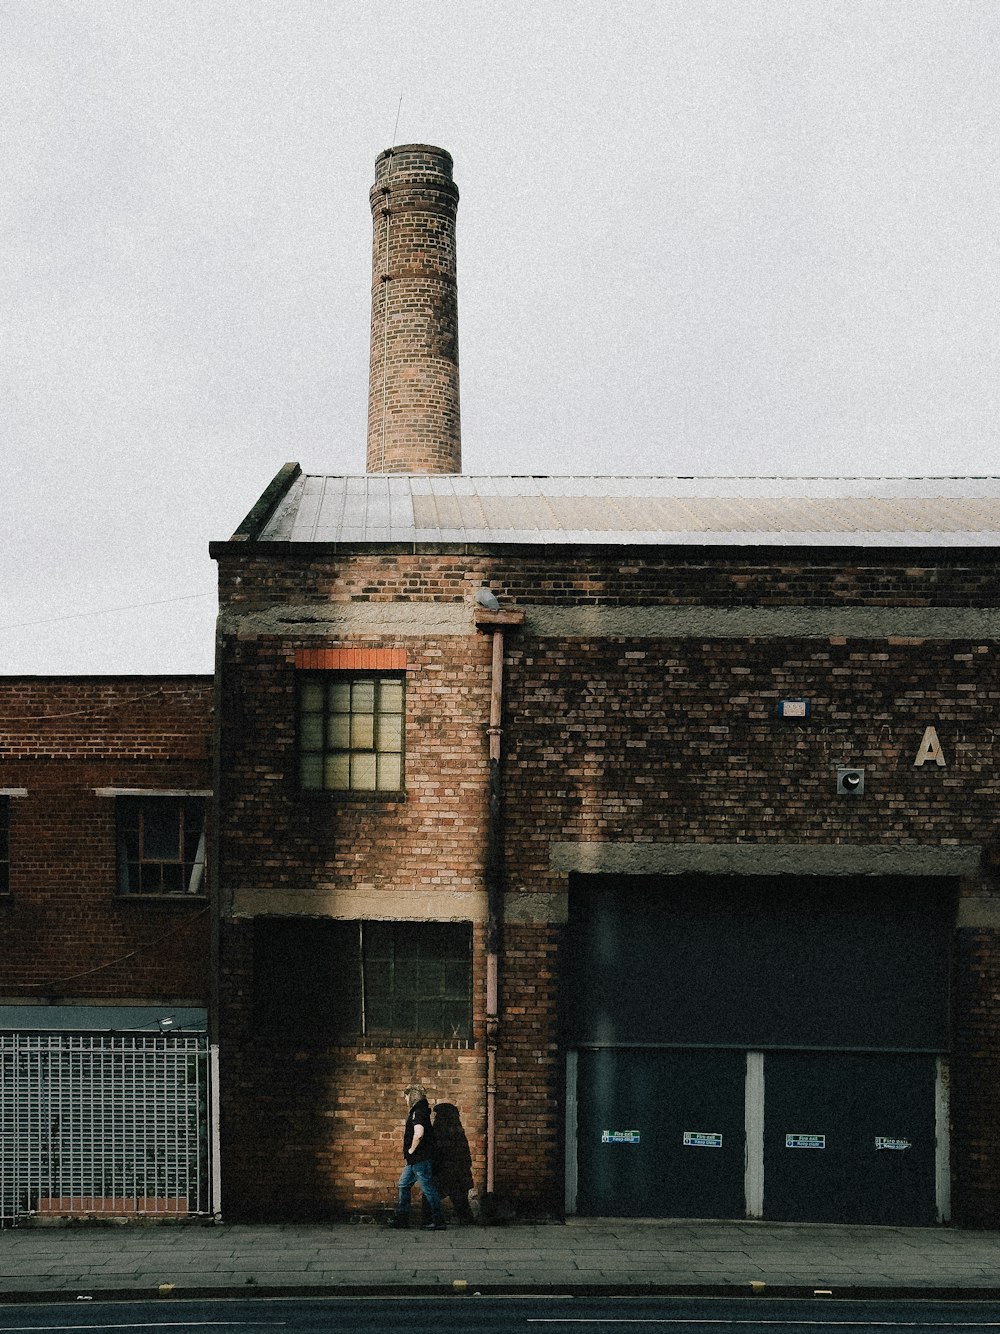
(418, 1152)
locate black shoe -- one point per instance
(435, 1227)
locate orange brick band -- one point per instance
(351, 659)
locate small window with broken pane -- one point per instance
(161, 845)
(351, 732)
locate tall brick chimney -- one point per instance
(413, 413)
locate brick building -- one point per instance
(104, 944)
(650, 822)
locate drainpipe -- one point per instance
(494, 622)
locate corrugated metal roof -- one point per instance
(743, 511)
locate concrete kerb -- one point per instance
(392, 1286)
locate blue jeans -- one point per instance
(418, 1174)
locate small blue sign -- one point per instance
(702, 1139)
(619, 1137)
(805, 1141)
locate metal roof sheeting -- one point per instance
(737, 511)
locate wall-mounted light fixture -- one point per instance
(850, 782)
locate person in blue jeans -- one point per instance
(418, 1153)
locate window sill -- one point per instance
(437, 1044)
(351, 797)
(321, 1043)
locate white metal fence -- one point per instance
(104, 1124)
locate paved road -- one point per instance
(502, 1315)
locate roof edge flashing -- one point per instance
(262, 511)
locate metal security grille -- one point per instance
(104, 1124)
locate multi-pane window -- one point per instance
(416, 977)
(335, 981)
(350, 732)
(4, 845)
(161, 845)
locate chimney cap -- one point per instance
(419, 159)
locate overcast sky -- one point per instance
(694, 237)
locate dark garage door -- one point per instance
(842, 982)
(849, 1137)
(660, 1134)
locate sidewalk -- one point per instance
(583, 1255)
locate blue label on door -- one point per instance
(805, 1141)
(619, 1137)
(702, 1139)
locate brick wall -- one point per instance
(316, 1132)
(64, 935)
(272, 836)
(975, 1079)
(530, 1072)
(595, 577)
(679, 741)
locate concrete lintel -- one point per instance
(350, 618)
(980, 913)
(152, 791)
(763, 859)
(361, 904)
(765, 622)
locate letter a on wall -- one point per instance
(930, 749)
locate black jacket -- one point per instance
(420, 1115)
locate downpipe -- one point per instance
(494, 908)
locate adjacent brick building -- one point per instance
(104, 942)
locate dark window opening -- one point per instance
(161, 845)
(306, 985)
(350, 732)
(336, 982)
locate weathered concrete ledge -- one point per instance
(458, 618)
(595, 858)
(402, 904)
(766, 622)
(331, 619)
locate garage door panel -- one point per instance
(635, 1111)
(849, 1137)
(757, 963)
